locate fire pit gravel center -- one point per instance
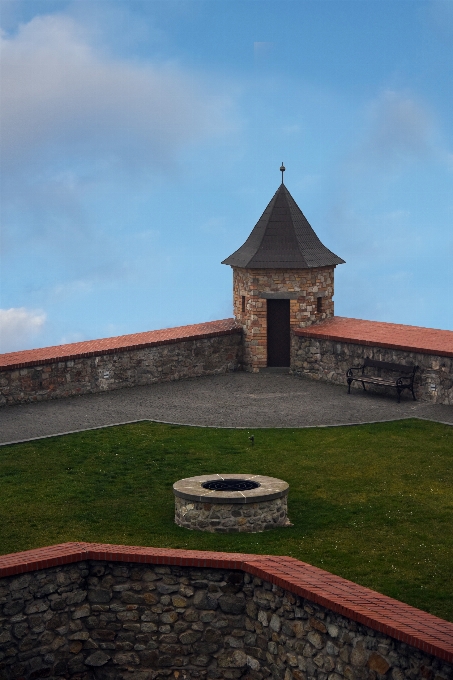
(203, 503)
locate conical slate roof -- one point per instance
(282, 239)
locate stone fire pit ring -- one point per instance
(225, 511)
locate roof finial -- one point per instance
(282, 170)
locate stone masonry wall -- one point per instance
(306, 285)
(83, 375)
(223, 518)
(125, 621)
(329, 360)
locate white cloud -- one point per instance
(60, 94)
(77, 287)
(18, 326)
(83, 129)
(399, 129)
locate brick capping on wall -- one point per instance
(120, 343)
(407, 624)
(382, 334)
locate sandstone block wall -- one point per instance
(127, 368)
(104, 620)
(329, 360)
(306, 285)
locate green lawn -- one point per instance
(372, 503)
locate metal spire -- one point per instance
(282, 170)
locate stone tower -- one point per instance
(283, 278)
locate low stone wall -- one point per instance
(323, 351)
(123, 368)
(119, 619)
(229, 517)
(329, 360)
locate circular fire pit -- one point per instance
(229, 503)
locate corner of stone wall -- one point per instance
(101, 620)
(328, 360)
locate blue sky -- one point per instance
(141, 141)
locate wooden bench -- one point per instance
(404, 380)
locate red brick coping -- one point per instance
(379, 612)
(380, 334)
(120, 343)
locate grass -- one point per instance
(372, 503)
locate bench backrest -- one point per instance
(388, 366)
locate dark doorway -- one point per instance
(278, 333)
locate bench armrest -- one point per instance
(353, 368)
(408, 378)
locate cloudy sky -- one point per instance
(141, 140)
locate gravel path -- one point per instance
(250, 400)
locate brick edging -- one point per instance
(381, 613)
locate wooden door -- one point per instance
(278, 333)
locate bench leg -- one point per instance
(349, 386)
(363, 385)
(413, 394)
(399, 395)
